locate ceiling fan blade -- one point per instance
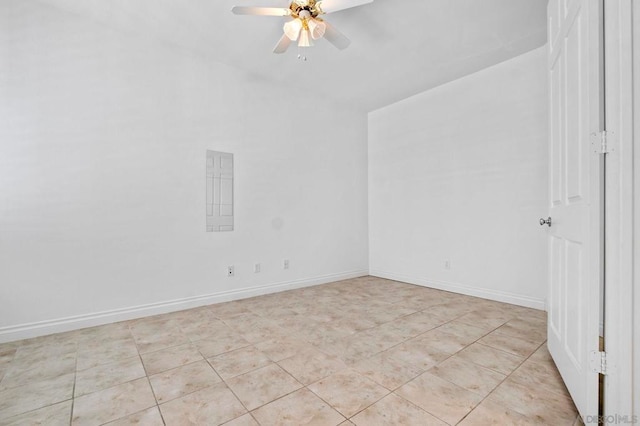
(282, 45)
(261, 11)
(335, 37)
(330, 6)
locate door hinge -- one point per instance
(598, 362)
(602, 142)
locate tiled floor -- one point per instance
(365, 351)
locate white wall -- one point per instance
(459, 173)
(103, 138)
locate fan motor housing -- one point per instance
(312, 6)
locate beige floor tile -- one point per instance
(221, 344)
(207, 330)
(275, 313)
(382, 339)
(417, 354)
(513, 345)
(183, 380)
(489, 413)
(535, 332)
(467, 333)
(537, 404)
(530, 314)
(155, 334)
(312, 365)
(485, 318)
(97, 353)
(7, 353)
(42, 350)
(166, 359)
(281, 348)
(11, 345)
(35, 395)
(107, 375)
(441, 342)
(115, 331)
(245, 420)
(324, 335)
(412, 325)
(542, 356)
(161, 341)
(355, 342)
(260, 332)
(351, 324)
(439, 397)
(52, 415)
(245, 321)
(263, 385)
(301, 407)
(468, 375)
(238, 362)
(301, 324)
(148, 326)
(348, 391)
(97, 340)
(22, 372)
(254, 328)
(393, 410)
(149, 417)
(388, 312)
(540, 376)
(194, 317)
(386, 370)
(113, 403)
(419, 302)
(229, 309)
(494, 359)
(449, 310)
(213, 405)
(347, 423)
(352, 349)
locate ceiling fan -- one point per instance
(306, 23)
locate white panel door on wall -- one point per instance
(575, 234)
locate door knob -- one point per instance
(546, 221)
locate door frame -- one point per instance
(619, 217)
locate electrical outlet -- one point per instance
(256, 268)
(285, 264)
(231, 271)
(447, 264)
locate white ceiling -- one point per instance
(399, 47)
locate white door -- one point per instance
(575, 235)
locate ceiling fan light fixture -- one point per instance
(306, 21)
(305, 40)
(292, 29)
(316, 28)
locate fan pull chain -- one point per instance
(301, 54)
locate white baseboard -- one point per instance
(35, 329)
(485, 293)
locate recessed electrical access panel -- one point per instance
(219, 191)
